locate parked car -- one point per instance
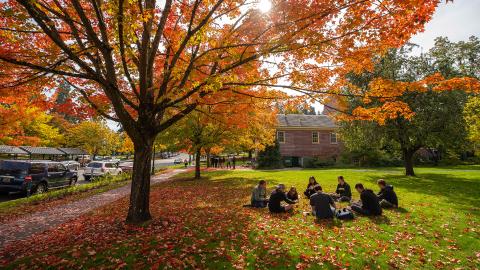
(38, 176)
(100, 168)
(114, 160)
(178, 161)
(72, 165)
(83, 159)
(126, 166)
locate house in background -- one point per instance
(305, 137)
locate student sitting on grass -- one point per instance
(386, 196)
(276, 198)
(312, 183)
(343, 192)
(368, 204)
(323, 206)
(292, 194)
(259, 195)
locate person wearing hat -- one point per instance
(276, 198)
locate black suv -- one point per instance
(38, 176)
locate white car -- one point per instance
(72, 165)
(100, 168)
(178, 161)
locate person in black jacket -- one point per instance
(323, 206)
(292, 194)
(312, 183)
(343, 193)
(368, 204)
(386, 196)
(276, 198)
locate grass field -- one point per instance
(202, 224)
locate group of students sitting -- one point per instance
(323, 204)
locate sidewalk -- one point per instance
(45, 220)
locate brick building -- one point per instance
(302, 137)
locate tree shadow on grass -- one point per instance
(330, 223)
(461, 193)
(397, 209)
(280, 216)
(380, 219)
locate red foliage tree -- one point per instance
(148, 64)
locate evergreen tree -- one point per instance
(270, 158)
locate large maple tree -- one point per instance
(149, 63)
(225, 120)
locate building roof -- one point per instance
(5, 149)
(305, 121)
(72, 151)
(42, 150)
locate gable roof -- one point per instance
(72, 151)
(42, 150)
(305, 121)
(5, 149)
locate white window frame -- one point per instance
(318, 137)
(336, 138)
(278, 137)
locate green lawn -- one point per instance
(201, 224)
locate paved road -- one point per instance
(159, 163)
(51, 218)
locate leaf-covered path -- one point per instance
(39, 222)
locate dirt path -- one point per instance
(45, 220)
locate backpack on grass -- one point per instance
(344, 214)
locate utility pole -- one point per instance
(153, 160)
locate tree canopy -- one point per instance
(149, 63)
(472, 119)
(94, 137)
(431, 116)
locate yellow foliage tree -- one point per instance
(94, 137)
(126, 145)
(472, 118)
(34, 128)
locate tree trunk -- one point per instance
(250, 154)
(408, 160)
(208, 158)
(197, 164)
(139, 210)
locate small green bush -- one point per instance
(373, 158)
(318, 162)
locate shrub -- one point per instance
(374, 158)
(270, 158)
(318, 162)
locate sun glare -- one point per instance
(264, 5)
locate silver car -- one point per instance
(100, 168)
(72, 165)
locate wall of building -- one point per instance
(298, 143)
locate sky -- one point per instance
(457, 21)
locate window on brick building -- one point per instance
(281, 136)
(333, 138)
(315, 138)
